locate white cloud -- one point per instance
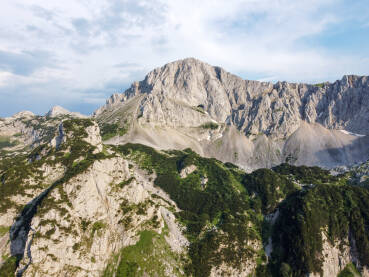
(4, 77)
(100, 46)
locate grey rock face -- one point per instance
(189, 93)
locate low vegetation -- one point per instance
(304, 215)
(227, 218)
(15, 172)
(148, 257)
(199, 108)
(3, 230)
(109, 131)
(97, 227)
(270, 187)
(235, 204)
(5, 142)
(9, 267)
(349, 271)
(320, 85)
(216, 214)
(307, 175)
(210, 125)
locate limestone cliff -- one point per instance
(189, 103)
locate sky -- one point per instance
(77, 53)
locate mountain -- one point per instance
(58, 111)
(77, 207)
(24, 131)
(145, 186)
(253, 124)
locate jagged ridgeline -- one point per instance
(191, 104)
(78, 207)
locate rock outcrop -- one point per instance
(24, 131)
(336, 257)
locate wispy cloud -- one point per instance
(25, 62)
(76, 53)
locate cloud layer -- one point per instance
(76, 53)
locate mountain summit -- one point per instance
(189, 103)
(254, 106)
(59, 111)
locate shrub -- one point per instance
(210, 125)
(111, 130)
(5, 142)
(97, 226)
(9, 267)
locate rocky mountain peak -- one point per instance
(26, 114)
(189, 94)
(354, 81)
(58, 111)
(252, 106)
(75, 130)
(183, 74)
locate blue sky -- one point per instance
(77, 53)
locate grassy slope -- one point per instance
(149, 255)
